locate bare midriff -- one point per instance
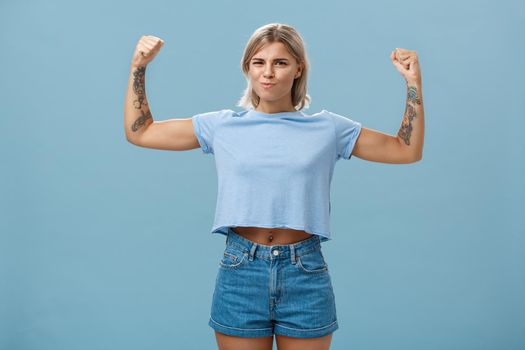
(271, 236)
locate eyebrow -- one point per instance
(277, 59)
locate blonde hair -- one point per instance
(292, 40)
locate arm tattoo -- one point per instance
(412, 95)
(138, 86)
(410, 114)
(139, 123)
(140, 91)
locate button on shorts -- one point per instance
(262, 290)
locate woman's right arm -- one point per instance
(140, 128)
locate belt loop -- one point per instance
(292, 253)
(252, 251)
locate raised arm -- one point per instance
(140, 128)
(407, 146)
(137, 115)
(412, 130)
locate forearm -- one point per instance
(137, 115)
(411, 133)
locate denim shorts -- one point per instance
(262, 290)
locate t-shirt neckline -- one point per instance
(275, 115)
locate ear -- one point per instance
(299, 71)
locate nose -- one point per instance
(268, 71)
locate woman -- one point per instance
(274, 165)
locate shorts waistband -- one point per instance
(268, 252)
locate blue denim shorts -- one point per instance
(262, 290)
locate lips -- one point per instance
(267, 85)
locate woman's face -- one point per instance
(274, 64)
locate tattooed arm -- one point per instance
(137, 115)
(412, 130)
(141, 130)
(407, 147)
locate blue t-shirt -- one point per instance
(275, 170)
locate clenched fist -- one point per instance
(146, 49)
(407, 63)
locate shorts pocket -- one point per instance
(312, 262)
(232, 258)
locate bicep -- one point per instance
(375, 146)
(173, 135)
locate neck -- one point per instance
(270, 110)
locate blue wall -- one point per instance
(105, 245)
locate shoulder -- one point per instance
(339, 119)
(330, 114)
(215, 117)
(326, 114)
(222, 113)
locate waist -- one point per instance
(275, 251)
(271, 236)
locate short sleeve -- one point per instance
(205, 126)
(346, 133)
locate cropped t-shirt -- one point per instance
(275, 170)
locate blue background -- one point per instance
(106, 245)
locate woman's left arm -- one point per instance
(412, 128)
(407, 147)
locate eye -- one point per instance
(279, 62)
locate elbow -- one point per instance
(132, 140)
(417, 158)
(412, 158)
(128, 138)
